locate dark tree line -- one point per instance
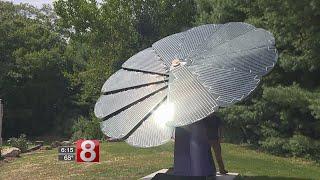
(283, 114)
(33, 84)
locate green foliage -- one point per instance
(32, 81)
(314, 105)
(297, 145)
(220, 11)
(52, 69)
(104, 36)
(275, 145)
(287, 103)
(85, 128)
(21, 142)
(303, 146)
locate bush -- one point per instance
(21, 142)
(275, 145)
(86, 129)
(298, 145)
(302, 146)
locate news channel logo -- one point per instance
(84, 151)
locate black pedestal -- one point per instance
(192, 152)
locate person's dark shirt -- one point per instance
(213, 123)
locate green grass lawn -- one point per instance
(121, 161)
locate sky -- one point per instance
(37, 3)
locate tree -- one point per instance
(103, 36)
(32, 80)
(287, 102)
(113, 31)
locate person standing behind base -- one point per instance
(214, 131)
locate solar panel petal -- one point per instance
(188, 76)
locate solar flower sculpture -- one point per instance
(166, 90)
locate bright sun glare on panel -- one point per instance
(164, 113)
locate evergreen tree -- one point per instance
(287, 103)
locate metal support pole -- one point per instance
(192, 152)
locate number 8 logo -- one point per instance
(87, 150)
(87, 147)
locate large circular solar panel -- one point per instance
(182, 79)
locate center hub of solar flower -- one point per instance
(175, 62)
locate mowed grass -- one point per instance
(121, 161)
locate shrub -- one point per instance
(21, 142)
(275, 145)
(86, 129)
(297, 145)
(303, 146)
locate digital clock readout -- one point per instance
(66, 153)
(66, 149)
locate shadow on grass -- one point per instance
(268, 178)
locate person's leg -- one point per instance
(217, 150)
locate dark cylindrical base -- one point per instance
(192, 152)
